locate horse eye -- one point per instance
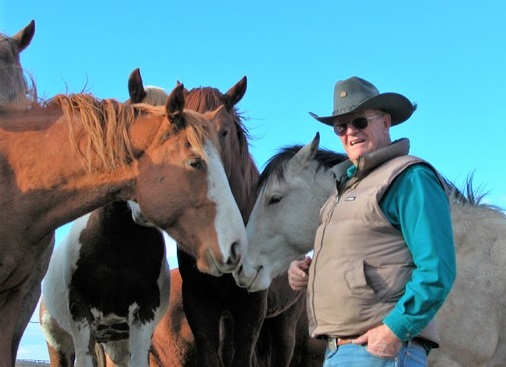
(224, 134)
(196, 163)
(274, 199)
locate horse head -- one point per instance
(13, 86)
(297, 180)
(233, 138)
(200, 212)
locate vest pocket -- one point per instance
(356, 280)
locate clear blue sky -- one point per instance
(447, 56)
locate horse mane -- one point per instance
(107, 121)
(470, 196)
(205, 99)
(275, 166)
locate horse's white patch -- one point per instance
(229, 223)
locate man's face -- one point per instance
(363, 132)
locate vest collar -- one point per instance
(346, 170)
(370, 161)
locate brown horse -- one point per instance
(14, 93)
(225, 320)
(13, 86)
(164, 158)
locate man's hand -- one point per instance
(297, 273)
(381, 341)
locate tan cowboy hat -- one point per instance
(357, 94)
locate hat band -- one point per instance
(343, 110)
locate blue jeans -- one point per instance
(351, 355)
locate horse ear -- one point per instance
(235, 94)
(175, 106)
(24, 36)
(307, 152)
(136, 87)
(185, 91)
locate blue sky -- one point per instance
(447, 56)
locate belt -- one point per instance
(333, 342)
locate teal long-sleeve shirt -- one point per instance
(416, 204)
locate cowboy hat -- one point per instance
(357, 94)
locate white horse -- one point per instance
(282, 225)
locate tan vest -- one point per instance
(361, 263)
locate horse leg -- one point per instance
(83, 333)
(32, 289)
(248, 318)
(11, 302)
(204, 321)
(20, 274)
(280, 332)
(59, 343)
(173, 343)
(308, 351)
(119, 351)
(140, 340)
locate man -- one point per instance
(384, 259)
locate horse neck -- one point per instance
(53, 187)
(113, 226)
(325, 183)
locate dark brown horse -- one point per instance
(207, 298)
(78, 153)
(13, 86)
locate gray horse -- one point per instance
(282, 226)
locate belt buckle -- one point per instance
(332, 343)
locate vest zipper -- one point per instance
(315, 257)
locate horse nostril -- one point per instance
(233, 258)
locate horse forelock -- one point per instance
(205, 99)
(199, 131)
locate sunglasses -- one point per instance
(360, 123)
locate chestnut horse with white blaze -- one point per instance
(115, 265)
(76, 153)
(214, 322)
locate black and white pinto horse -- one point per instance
(108, 281)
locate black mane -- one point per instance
(276, 164)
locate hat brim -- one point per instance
(398, 106)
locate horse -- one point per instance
(277, 312)
(128, 262)
(14, 93)
(297, 180)
(165, 158)
(206, 298)
(13, 85)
